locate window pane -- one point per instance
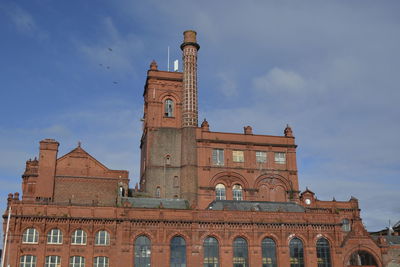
(237, 192)
(77, 261)
(178, 252)
(240, 253)
(296, 253)
(218, 156)
(261, 156)
(169, 108)
(323, 253)
(79, 237)
(100, 262)
(268, 253)
(28, 261)
(30, 236)
(237, 156)
(102, 238)
(220, 192)
(142, 251)
(53, 261)
(54, 236)
(211, 252)
(346, 225)
(280, 157)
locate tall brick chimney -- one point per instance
(189, 57)
(189, 181)
(47, 169)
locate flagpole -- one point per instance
(5, 240)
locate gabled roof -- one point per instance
(80, 152)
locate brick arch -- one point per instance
(79, 228)
(371, 251)
(32, 226)
(63, 231)
(105, 228)
(262, 179)
(147, 234)
(301, 237)
(166, 95)
(327, 237)
(272, 236)
(62, 227)
(229, 179)
(185, 236)
(212, 234)
(243, 235)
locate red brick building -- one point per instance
(205, 198)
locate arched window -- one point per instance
(177, 252)
(346, 227)
(100, 262)
(76, 261)
(102, 238)
(54, 236)
(78, 237)
(237, 192)
(121, 191)
(240, 253)
(158, 192)
(169, 108)
(142, 251)
(220, 192)
(268, 247)
(211, 252)
(362, 258)
(168, 160)
(323, 253)
(27, 261)
(30, 236)
(52, 261)
(296, 253)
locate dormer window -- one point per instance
(169, 108)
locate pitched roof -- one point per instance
(155, 203)
(255, 206)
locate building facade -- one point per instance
(204, 198)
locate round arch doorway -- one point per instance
(361, 258)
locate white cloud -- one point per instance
(280, 81)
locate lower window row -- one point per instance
(55, 261)
(211, 256)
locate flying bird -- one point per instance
(115, 82)
(109, 49)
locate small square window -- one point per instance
(261, 156)
(280, 157)
(218, 156)
(237, 156)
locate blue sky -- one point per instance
(328, 68)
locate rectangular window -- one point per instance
(218, 156)
(261, 156)
(280, 157)
(238, 156)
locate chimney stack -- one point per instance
(47, 169)
(189, 50)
